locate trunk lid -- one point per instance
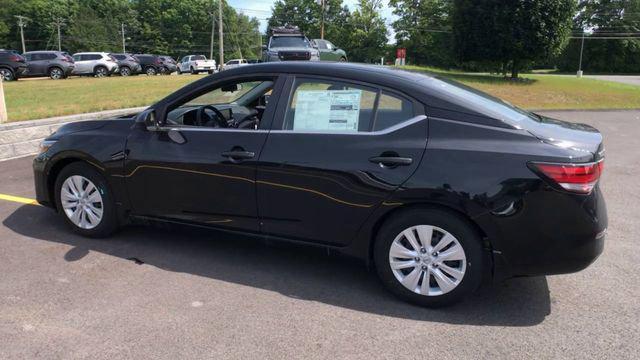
(568, 135)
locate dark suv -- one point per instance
(288, 43)
(54, 64)
(12, 65)
(127, 64)
(151, 64)
(169, 65)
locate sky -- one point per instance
(261, 9)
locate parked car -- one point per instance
(288, 43)
(168, 66)
(54, 64)
(127, 64)
(12, 65)
(151, 64)
(254, 61)
(98, 64)
(196, 64)
(328, 51)
(235, 63)
(434, 184)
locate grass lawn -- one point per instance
(43, 98)
(35, 99)
(542, 91)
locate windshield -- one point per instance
(289, 41)
(485, 104)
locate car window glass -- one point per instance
(51, 56)
(321, 44)
(77, 57)
(199, 57)
(392, 110)
(327, 106)
(329, 45)
(29, 57)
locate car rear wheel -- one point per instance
(343, 59)
(6, 74)
(193, 71)
(150, 71)
(55, 73)
(125, 71)
(84, 200)
(429, 257)
(101, 71)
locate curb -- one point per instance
(23, 138)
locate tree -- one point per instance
(612, 43)
(510, 33)
(366, 32)
(307, 15)
(423, 28)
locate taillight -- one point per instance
(158, 61)
(16, 58)
(578, 178)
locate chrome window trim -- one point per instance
(408, 122)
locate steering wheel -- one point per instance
(219, 119)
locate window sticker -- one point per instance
(327, 110)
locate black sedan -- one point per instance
(433, 184)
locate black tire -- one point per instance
(150, 71)
(125, 71)
(101, 71)
(179, 71)
(193, 71)
(451, 222)
(109, 222)
(56, 73)
(343, 59)
(7, 74)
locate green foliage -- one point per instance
(307, 15)
(605, 19)
(510, 33)
(367, 32)
(165, 27)
(423, 28)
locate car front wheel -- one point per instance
(429, 257)
(101, 71)
(6, 74)
(151, 71)
(56, 73)
(125, 71)
(84, 200)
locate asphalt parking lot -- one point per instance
(176, 294)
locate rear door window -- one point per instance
(392, 110)
(330, 106)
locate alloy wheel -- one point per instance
(151, 71)
(101, 72)
(125, 71)
(82, 202)
(6, 74)
(427, 260)
(55, 74)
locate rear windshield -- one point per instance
(484, 103)
(289, 41)
(199, 57)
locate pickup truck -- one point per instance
(195, 64)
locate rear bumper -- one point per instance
(550, 233)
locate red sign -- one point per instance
(401, 53)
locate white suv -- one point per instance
(99, 64)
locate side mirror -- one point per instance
(149, 119)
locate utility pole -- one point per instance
(58, 23)
(581, 50)
(22, 22)
(213, 30)
(323, 4)
(220, 34)
(124, 44)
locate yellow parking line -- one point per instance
(18, 199)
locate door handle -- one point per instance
(391, 161)
(239, 154)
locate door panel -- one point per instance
(322, 187)
(196, 181)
